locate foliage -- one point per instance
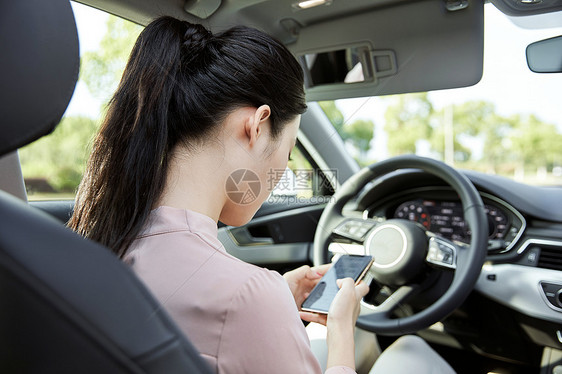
(508, 143)
(469, 119)
(101, 70)
(496, 131)
(408, 120)
(535, 143)
(333, 114)
(479, 137)
(61, 156)
(358, 133)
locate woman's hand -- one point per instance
(341, 319)
(345, 307)
(302, 280)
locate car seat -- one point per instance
(67, 305)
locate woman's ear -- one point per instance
(256, 123)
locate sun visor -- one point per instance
(435, 44)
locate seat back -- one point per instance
(68, 305)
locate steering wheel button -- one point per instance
(362, 231)
(440, 253)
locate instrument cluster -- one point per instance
(444, 217)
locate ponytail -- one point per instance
(126, 170)
(177, 76)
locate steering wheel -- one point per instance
(404, 253)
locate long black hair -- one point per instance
(180, 82)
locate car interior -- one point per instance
(469, 261)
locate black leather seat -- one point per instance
(67, 305)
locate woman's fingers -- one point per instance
(339, 282)
(361, 289)
(345, 283)
(320, 270)
(298, 273)
(345, 306)
(307, 272)
(313, 317)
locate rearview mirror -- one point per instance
(545, 56)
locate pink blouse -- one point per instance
(240, 317)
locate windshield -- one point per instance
(510, 123)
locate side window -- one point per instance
(303, 179)
(53, 166)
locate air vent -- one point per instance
(550, 257)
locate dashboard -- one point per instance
(440, 211)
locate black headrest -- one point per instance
(38, 68)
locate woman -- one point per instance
(193, 112)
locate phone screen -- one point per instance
(347, 266)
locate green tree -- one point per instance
(101, 70)
(497, 153)
(61, 156)
(408, 120)
(469, 119)
(536, 143)
(358, 133)
(334, 115)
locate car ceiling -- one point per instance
(251, 12)
(264, 13)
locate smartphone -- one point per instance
(347, 266)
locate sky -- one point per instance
(91, 28)
(504, 44)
